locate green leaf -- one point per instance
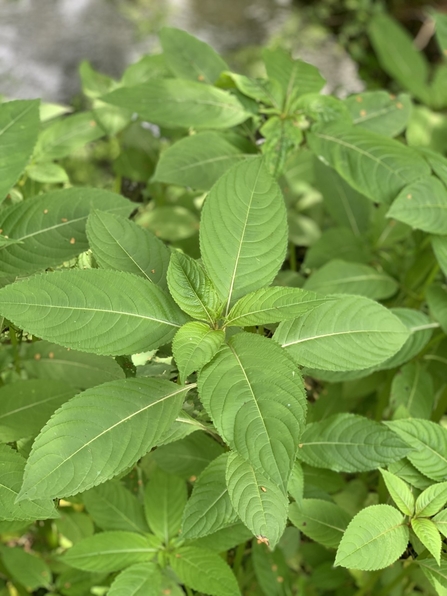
(12, 466)
(179, 103)
(197, 161)
(337, 243)
(429, 535)
(270, 569)
(141, 579)
(171, 223)
(266, 91)
(399, 491)
(431, 500)
(439, 245)
(26, 406)
(103, 312)
(47, 173)
(209, 508)
(204, 571)
(45, 360)
(120, 245)
(429, 443)
(189, 58)
(380, 112)
(74, 525)
(111, 551)
(349, 443)
(347, 333)
(260, 503)
(147, 68)
(440, 521)
(406, 471)
(224, 539)
(375, 538)
(192, 289)
(375, 166)
(436, 574)
(243, 234)
(194, 345)
(164, 500)
(252, 379)
(295, 488)
(322, 521)
(19, 126)
(342, 277)
(280, 138)
(412, 389)
(50, 228)
(271, 305)
(113, 507)
(26, 568)
(110, 426)
(437, 302)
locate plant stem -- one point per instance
(292, 256)
(188, 591)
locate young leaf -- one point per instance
(440, 521)
(380, 112)
(204, 571)
(321, 521)
(164, 500)
(428, 534)
(26, 568)
(347, 333)
(111, 551)
(255, 396)
(265, 91)
(260, 504)
(349, 443)
(412, 389)
(194, 345)
(280, 138)
(50, 229)
(399, 491)
(103, 312)
(209, 508)
(375, 538)
(272, 305)
(141, 579)
(121, 245)
(243, 234)
(431, 500)
(110, 427)
(19, 126)
(192, 289)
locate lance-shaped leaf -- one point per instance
(260, 503)
(439, 245)
(349, 443)
(380, 112)
(436, 574)
(192, 289)
(243, 234)
(26, 568)
(50, 229)
(224, 539)
(12, 466)
(376, 166)
(179, 103)
(140, 579)
(98, 434)
(440, 521)
(399, 491)
(164, 500)
(429, 445)
(255, 396)
(431, 500)
(121, 245)
(429, 535)
(19, 126)
(437, 302)
(347, 333)
(264, 90)
(26, 406)
(194, 345)
(412, 391)
(209, 508)
(375, 538)
(272, 305)
(111, 551)
(103, 312)
(204, 571)
(320, 520)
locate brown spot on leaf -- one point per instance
(64, 219)
(45, 211)
(359, 99)
(37, 356)
(362, 113)
(72, 240)
(280, 579)
(200, 78)
(51, 355)
(192, 478)
(264, 490)
(399, 106)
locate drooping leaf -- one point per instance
(399, 491)
(50, 229)
(431, 500)
(140, 579)
(164, 500)
(347, 333)
(26, 568)
(121, 245)
(110, 426)
(194, 345)
(435, 573)
(103, 312)
(255, 396)
(349, 443)
(429, 535)
(440, 521)
(243, 234)
(320, 520)
(380, 112)
(412, 389)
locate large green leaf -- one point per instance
(320, 520)
(380, 112)
(50, 228)
(19, 125)
(348, 333)
(26, 568)
(121, 245)
(375, 538)
(412, 391)
(350, 443)
(98, 434)
(103, 312)
(189, 58)
(111, 551)
(140, 579)
(400, 492)
(376, 166)
(179, 103)
(194, 345)
(255, 396)
(260, 503)
(429, 535)
(26, 406)
(243, 234)
(164, 500)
